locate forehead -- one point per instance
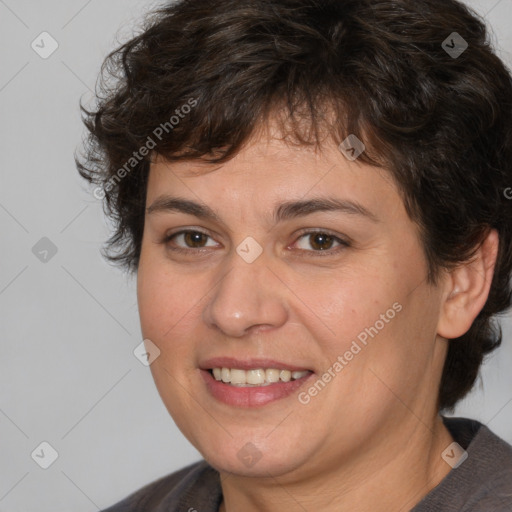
(274, 181)
(270, 165)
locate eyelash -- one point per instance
(328, 252)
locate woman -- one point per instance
(313, 197)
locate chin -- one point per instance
(249, 460)
(260, 469)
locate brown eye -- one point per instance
(187, 240)
(194, 238)
(320, 241)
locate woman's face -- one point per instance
(275, 281)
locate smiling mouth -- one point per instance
(256, 377)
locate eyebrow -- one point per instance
(285, 211)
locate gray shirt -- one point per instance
(482, 483)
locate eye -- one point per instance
(322, 241)
(186, 241)
(192, 239)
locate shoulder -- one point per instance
(196, 486)
(490, 474)
(483, 481)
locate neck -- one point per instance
(411, 467)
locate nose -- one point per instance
(249, 297)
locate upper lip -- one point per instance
(249, 364)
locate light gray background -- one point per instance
(69, 326)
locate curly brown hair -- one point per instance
(439, 121)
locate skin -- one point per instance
(372, 439)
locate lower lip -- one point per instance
(252, 396)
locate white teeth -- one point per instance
(272, 375)
(285, 375)
(237, 376)
(225, 375)
(256, 377)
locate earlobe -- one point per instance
(467, 289)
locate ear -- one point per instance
(467, 288)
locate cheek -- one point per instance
(166, 309)
(373, 338)
(150, 292)
(348, 306)
(161, 299)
